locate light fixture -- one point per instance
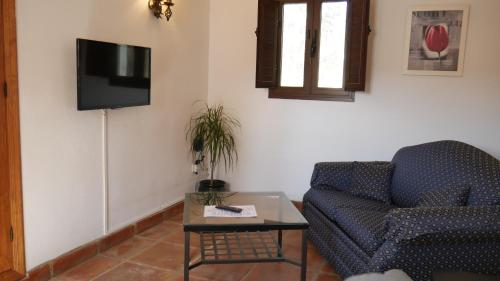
(157, 7)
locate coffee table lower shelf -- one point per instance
(241, 247)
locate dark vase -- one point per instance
(208, 185)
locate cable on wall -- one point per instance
(105, 178)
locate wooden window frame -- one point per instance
(355, 51)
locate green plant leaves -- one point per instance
(216, 128)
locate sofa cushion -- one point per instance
(327, 199)
(431, 166)
(334, 175)
(361, 219)
(454, 196)
(372, 181)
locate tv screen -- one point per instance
(112, 75)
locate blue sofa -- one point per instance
(359, 235)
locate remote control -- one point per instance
(229, 208)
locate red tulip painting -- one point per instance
(437, 39)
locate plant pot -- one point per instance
(216, 185)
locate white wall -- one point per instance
(61, 147)
(282, 139)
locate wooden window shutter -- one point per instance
(356, 44)
(267, 44)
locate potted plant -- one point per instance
(211, 131)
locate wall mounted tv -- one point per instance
(112, 75)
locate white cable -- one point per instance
(105, 181)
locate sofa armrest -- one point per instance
(332, 175)
(449, 223)
(421, 241)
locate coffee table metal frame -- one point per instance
(242, 243)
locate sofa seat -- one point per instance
(333, 199)
(361, 219)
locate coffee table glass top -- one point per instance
(274, 211)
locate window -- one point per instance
(312, 49)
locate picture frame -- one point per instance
(436, 38)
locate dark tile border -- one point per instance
(149, 221)
(298, 205)
(41, 273)
(81, 254)
(173, 210)
(116, 238)
(75, 257)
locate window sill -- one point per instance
(282, 93)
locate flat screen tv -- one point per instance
(112, 75)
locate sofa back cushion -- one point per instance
(431, 166)
(372, 180)
(332, 175)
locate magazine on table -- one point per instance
(248, 211)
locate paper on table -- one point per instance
(248, 212)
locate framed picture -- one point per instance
(435, 43)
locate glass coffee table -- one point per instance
(243, 240)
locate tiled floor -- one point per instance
(157, 254)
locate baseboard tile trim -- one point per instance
(40, 273)
(75, 257)
(149, 221)
(116, 238)
(64, 262)
(298, 205)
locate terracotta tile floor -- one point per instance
(157, 255)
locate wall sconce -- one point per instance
(157, 7)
